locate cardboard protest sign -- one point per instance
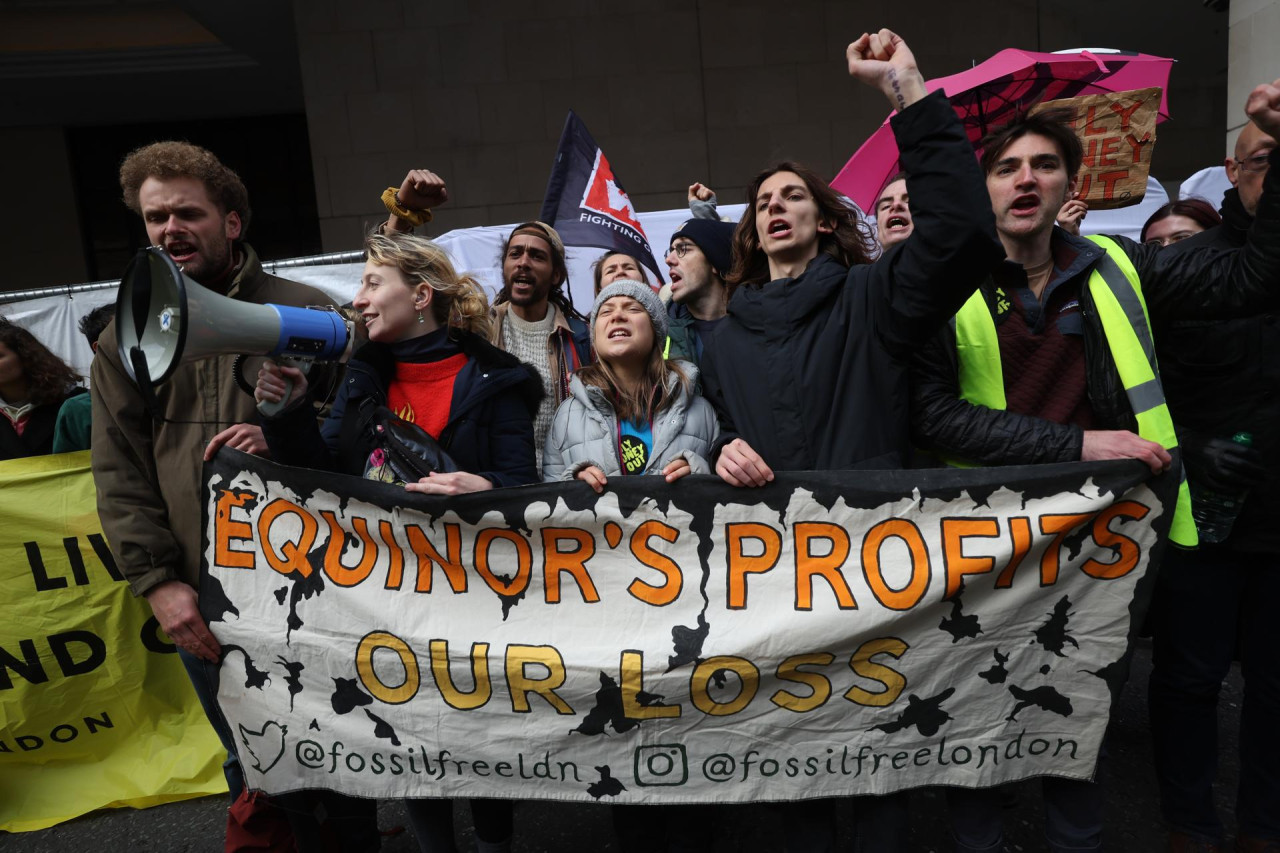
(96, 710)
(1118, 132)
(829, 634)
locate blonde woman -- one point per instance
(429, 361)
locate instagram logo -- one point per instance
(661, 764)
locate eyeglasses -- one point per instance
(1256, 163)
(681, 249)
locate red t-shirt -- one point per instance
(423, 393)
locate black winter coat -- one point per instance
(490, 427)
(812, 372)
(1221, 377)
(37, 434)
(1178, 284)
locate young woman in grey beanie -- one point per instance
(631, 411)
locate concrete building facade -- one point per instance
(675, 91)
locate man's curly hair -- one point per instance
(172, 159)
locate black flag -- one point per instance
(585, 202)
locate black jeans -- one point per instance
(1204, 601)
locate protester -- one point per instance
(534, 317)
(429, 361)
(34, 386)
(893, 213)
(616, 266)
(610, 425)
(147, 466)
(1220, 377)
(633, 412)
(1057, 393)
(700, 255)
(1178, 220)
(74, 428)
(809, 369)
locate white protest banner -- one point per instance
(829, 634)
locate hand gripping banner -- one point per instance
(829, 634)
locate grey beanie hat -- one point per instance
(640, 292)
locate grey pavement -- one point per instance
(1133, 821)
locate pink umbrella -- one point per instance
(988, 95)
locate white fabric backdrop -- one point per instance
(53, 319)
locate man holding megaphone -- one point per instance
(149, 443)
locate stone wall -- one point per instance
(674, 91)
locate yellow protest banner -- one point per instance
(96, 710)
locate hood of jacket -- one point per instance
(595, 398)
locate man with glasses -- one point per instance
(1220, 379)
(699, 258)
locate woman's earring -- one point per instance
(421, 319)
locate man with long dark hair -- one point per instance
(809, 369)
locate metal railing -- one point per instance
(348, 257)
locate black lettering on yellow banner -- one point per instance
(79, 572)
(65, 647)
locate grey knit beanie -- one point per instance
(640, 292)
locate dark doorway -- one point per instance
(272, 155)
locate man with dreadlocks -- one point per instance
(533, 318)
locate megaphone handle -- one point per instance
(269, 409)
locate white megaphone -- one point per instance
(164, 318)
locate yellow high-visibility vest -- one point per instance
(1117, 294)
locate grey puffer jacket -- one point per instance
(585, 432)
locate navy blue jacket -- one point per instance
(489, 431)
